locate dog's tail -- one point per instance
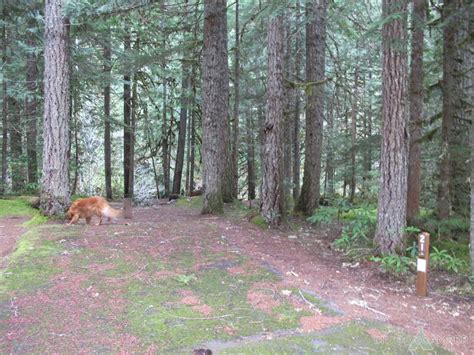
(111, 212)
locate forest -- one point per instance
(351, 116)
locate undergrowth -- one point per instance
(449, 242)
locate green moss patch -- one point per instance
(157, 314)
(16, 208)
(259, 222)
(30, 265)
(193, 202)
(350, 338)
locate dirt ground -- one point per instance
(103, 288)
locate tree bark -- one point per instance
(3, 183)
(450, 94)
(251, 169)
(330, 169)
(55, 187)
(107, 142)
(164, 142)
(315, 73)
(235, 125)
(127, 129)
(353, 138)
(287, 123)
(31, 107)
(192, 139)
(272, 205)
(215, 88)
(296, 118)
(183, 117)
(16, 145)
(392, 201)
(460, 153)
(416, 108)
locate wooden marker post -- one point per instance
(422, 264)
(127, 208)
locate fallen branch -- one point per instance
(365, 305)
(206, 318)
(311, 305)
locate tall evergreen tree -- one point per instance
(272, 205)
(316, 13)
(215, 92)
(392, 202)
(416, 108)
(55, 187)
(31, 104)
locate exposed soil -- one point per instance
(85, 312)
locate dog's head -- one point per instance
(71, 212)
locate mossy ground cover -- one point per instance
(115, 288)
(358, 337)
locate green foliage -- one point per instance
(16, 208)
(323, 215)
(443, 260)
(395, 264)
(259, 221)
(358, 232)
(185, 279)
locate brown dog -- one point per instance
(89, 207)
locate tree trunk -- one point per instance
(330, 170)
(107, 141)
(368, 148)
(164, 143)
(192, 139)
(272, 205)
(353, 138)
(235, 126)
(287, 123)
(392, 201)
(183, 117)
(215, 89)
(31, 108)
(55, 187)
(127, 129)
(3, 182)
(133, 129)
(470, 94)
(460, 152)
(315, 73)
(416, 108)
(16, 146)
(449, 97)
(251, 169)
(296, 117)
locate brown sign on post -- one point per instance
(127, 208)
(422, 264)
